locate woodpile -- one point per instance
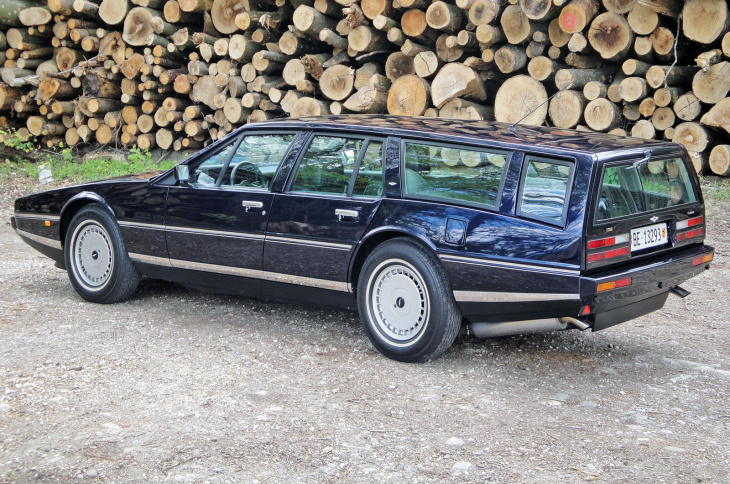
(178, 74)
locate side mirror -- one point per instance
(182, 175)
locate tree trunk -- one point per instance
(643, 20)
(398, 64)
(516, 26)
(542, 10)
(445, 17)
(426, 64)
(705, 21)
(643, 129)
(578, 78)
(307, 106)
(517, 97)
(223, 13)
(718, 116)
(663, 118)
(96, 84)
(602, 115)
(633, 88)
(720, 160)
(611, 36)
(712, 85)
(408, 96)
(543, 68)
(687, 107)
(575, 16)
(692, 135)
(510, 58)
(337, 82)
(456, 80)
(566, 109)
(483, 12)
(113, 12)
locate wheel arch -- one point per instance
(375, 238)
(76, 203)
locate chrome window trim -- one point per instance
(56, 244)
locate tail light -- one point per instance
(702, 260)
(608, 242)
(684, 234)
(607, 286)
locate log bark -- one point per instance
(658, 76)
(578, 78)
(517, 97)
(542, 10)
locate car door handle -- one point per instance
(251, 206)
(343, 213)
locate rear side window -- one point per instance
(629, 189)
(544, 189)
(454, 173)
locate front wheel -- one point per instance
(405, 303)
(97, 262)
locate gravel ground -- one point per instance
(177, 386)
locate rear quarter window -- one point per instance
(465, 175)
(544, 189)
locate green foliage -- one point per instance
(13, 139)
(67, 168)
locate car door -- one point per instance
(330, 199)
(216, 221)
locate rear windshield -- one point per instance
(630, 189)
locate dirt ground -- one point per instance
(177, 386)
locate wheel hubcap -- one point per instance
(399, 301)
(92, 255)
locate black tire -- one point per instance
(405, 302)
(96, 260)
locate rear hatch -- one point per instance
(644, 206)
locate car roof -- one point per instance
(440, 129)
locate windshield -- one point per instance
(630, 189)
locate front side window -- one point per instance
(341, 166)
(207, 173)
(545, 188)
(453, 173)
(629, 189)
(256, 160)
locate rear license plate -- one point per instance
(650, 236)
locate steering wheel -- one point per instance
(247, 174)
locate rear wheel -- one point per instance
(405, 302)
(97, 262)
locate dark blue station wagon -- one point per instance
(422, 224)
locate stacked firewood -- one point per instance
(178, 74)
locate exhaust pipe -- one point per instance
(680, 291)
(581, 325)
(496, 330)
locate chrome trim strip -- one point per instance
(36, 216)
(259, 274)
(40, 239)
(217, 233)
(511, 265)
(150, 259)
(311, 243)
(141, 225)
(492, 297)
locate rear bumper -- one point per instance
(651, 281)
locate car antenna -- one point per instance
(511, 128)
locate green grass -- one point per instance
(66, 169)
